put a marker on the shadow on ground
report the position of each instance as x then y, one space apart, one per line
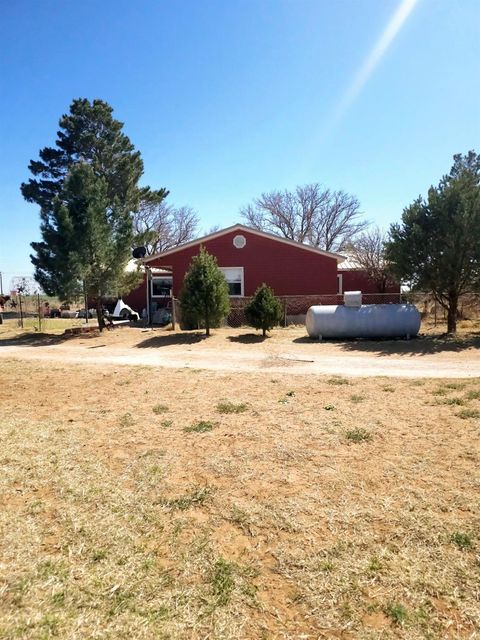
33 340
248 338
170 339
420 346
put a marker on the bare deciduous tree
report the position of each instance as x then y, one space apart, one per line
311 214
160 227
368 251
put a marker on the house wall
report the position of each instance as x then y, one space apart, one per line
287 269
137 299
357 280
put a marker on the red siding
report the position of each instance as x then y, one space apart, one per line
354 280
137 299
289 270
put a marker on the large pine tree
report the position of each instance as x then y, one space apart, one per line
436 247
89 136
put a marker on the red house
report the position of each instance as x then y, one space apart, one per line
248 258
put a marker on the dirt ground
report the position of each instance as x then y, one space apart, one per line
241 350
160 485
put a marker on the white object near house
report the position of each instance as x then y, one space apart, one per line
366 321
352 298
122 310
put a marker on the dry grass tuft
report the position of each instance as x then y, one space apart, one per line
231 407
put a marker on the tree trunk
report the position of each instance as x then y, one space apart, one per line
207 324
101 322
264 333
452 313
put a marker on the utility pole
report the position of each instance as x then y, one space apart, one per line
1 284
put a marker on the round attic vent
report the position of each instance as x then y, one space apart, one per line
239 242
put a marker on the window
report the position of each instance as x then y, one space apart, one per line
234 278
161 287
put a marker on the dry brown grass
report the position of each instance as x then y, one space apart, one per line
118 523
11 328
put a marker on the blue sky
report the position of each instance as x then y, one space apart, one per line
229 98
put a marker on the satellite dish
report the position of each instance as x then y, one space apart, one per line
139 252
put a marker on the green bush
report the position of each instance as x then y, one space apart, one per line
264 310
204 297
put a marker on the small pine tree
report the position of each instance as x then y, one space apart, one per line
264 311
204 296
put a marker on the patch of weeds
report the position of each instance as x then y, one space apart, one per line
355 397
465 414
226 577
231 407
160 408
274 381
462 540
222 579
241 519
200 427
374 566
121 600
290 394
160 613
454 385
388 389
166 423
194 498
126 420
337 380
154 470
327 566
329 407
359 434
50 624
58 599
454 401
98 555
441 391
50 568
396 612
473 395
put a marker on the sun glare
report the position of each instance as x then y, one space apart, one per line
370 63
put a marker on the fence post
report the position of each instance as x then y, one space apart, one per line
39 313
174 315
21 310
285 312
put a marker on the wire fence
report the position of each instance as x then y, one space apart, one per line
32 311
294 307
434 313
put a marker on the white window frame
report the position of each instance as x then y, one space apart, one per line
340 283
152 295
242 281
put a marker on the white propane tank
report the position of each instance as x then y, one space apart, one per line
367 321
